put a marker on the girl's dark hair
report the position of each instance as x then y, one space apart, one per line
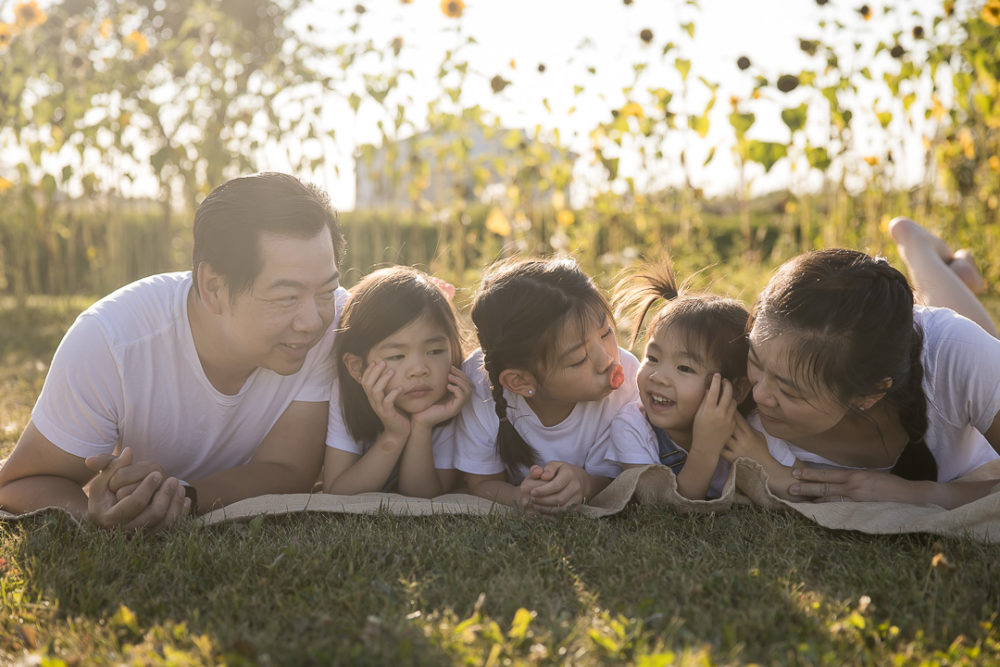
852 315
519 311
381 304
712 326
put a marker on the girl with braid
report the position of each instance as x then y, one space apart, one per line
548 380
868 396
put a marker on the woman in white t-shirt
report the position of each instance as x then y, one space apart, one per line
878 398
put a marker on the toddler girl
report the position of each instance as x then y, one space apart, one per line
691 382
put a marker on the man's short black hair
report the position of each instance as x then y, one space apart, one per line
228 224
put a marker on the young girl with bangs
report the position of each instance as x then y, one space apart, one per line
398 388
868 396
548 380
692 382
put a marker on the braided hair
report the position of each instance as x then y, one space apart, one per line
519 312
852 315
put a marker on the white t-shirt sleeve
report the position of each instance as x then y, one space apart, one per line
778 448
81 401
963 363
337 435
598 463
443 446
632 439
477 425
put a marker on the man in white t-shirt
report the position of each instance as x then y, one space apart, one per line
188 391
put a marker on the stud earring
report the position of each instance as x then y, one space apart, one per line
531 392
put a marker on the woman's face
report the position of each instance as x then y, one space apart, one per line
790 408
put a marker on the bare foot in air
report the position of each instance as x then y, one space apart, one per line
911 238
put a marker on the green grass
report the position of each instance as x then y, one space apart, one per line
648 586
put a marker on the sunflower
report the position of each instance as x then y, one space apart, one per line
29 14
6 32
452 8
137 41
632 109
991 12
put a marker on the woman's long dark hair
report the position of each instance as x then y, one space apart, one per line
381 304
712 326
852 315
519 311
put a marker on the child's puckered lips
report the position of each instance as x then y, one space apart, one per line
617 376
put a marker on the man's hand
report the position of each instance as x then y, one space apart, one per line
153 504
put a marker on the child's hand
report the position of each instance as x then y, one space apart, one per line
562 488
714 423
747 441
530 483
375 379
459 390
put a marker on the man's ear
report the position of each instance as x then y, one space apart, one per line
212 288
355 365
741 389
868 400
519 382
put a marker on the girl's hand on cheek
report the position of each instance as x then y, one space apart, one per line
458 392
714 422
375 380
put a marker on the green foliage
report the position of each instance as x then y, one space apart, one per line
190 92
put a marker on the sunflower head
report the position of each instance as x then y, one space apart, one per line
29 14
991 12
137 42
6 33
452 8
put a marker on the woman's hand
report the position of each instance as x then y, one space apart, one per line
714 422
374 380
749 442
458 392
826 485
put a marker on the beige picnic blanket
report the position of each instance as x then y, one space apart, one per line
656 484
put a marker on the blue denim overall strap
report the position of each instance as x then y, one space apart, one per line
671 454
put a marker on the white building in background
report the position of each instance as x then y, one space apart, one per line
463 161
